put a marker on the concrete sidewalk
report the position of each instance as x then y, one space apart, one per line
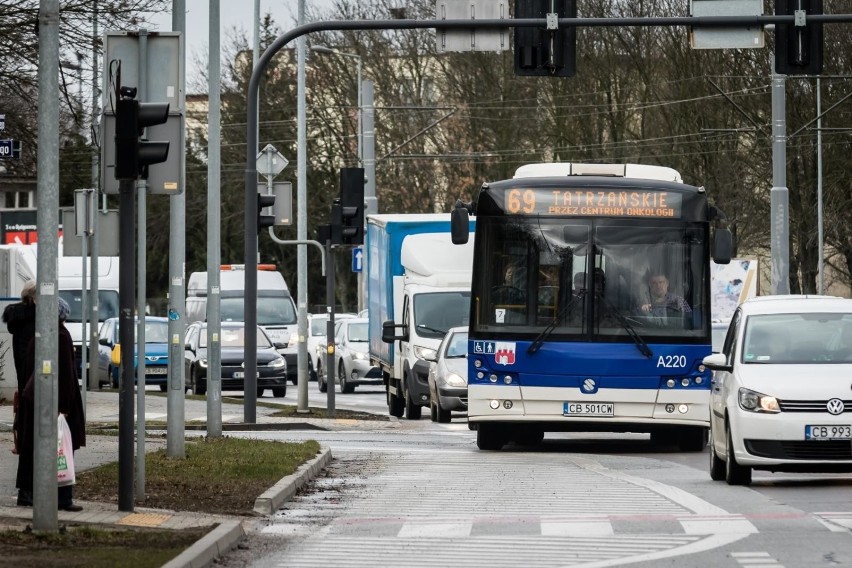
102 408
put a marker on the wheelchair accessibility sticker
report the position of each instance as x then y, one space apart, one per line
503 351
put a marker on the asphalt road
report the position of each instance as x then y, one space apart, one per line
422 494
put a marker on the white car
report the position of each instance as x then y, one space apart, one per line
781 396
316 344
351 357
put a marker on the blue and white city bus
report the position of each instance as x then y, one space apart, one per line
576 335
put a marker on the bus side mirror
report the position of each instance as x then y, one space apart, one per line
722 246
459 225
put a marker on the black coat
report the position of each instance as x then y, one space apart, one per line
20 319
70 403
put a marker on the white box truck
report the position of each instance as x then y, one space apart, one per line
276 311
418 287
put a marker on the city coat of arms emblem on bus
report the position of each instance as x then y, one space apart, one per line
504 353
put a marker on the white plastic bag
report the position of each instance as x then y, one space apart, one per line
64 454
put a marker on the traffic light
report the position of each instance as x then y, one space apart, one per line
352 206
132 154
798 49
263 220
545 52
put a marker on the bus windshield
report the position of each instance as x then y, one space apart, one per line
591 279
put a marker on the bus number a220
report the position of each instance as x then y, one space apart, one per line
671 361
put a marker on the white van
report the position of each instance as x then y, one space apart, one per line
276 311
70 281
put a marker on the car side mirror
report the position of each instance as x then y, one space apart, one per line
279 345
187 347
718 362
104 341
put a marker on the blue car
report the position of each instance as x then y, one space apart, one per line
156 352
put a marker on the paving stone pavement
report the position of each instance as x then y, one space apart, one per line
102 407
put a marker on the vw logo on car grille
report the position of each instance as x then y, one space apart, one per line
590 386
835 406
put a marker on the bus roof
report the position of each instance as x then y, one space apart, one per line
637 171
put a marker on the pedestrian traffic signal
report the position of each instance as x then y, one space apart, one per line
549 52
264 220
133 155
798 46
352 206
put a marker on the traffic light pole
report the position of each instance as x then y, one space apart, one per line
126 282
329 331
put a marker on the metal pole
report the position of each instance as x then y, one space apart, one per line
96 186
256 49
126 281
176 429
45 497
302 224
362 277
779 196
329 330
85 320
214 318
371 205
820 227
141 293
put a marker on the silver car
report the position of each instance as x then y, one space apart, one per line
352 356
448 375
316 344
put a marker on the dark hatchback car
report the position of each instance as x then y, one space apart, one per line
271 366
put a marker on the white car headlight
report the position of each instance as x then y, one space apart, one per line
358 356
424 352
757 402
455 380
202 363
277 363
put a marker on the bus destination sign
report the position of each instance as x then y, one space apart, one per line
645 203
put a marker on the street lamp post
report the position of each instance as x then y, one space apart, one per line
328 50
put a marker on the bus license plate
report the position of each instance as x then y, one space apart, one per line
834 432
239 374
588 409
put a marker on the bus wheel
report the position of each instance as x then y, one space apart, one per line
490 437
529 436
692 439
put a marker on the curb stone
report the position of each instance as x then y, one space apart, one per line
273 497
217 542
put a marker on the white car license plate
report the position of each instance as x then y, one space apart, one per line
156 370
239 374
588 409
833 432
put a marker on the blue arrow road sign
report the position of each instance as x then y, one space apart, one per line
357 259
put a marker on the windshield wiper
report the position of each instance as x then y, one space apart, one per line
545 333
432 329
637 339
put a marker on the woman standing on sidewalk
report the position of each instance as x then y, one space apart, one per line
20 321
70 404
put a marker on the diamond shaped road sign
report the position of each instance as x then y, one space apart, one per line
270 162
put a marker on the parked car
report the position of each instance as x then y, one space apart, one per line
156 352
448 375
317 344
352 357
271 365
780 398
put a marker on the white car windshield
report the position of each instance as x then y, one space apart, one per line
818 338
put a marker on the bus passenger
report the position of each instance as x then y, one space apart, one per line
579 284
660 300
